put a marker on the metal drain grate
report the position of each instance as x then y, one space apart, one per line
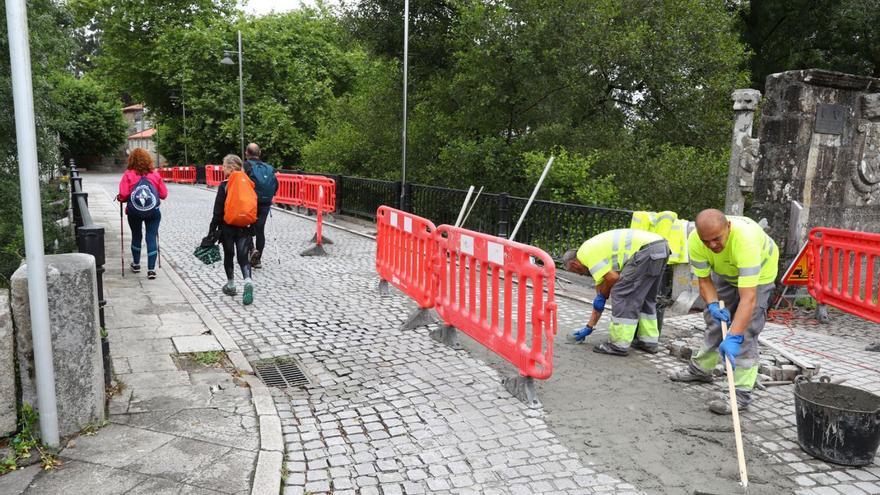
281 373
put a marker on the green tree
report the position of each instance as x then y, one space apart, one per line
90 119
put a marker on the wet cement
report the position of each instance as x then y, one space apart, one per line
625 415
840 396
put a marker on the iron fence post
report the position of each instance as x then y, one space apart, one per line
90 240
77 211
338 179
503 215
407 205
398 195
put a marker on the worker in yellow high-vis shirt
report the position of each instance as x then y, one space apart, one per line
627 265
736 262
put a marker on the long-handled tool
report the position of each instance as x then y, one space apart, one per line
467 199
473 203
121 240
532 197
734 412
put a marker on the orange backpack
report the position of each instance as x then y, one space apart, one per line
240 209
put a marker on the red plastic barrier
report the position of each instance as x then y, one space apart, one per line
187 175
213 175
166 173
471 296
844 270
405 249
175 174
289 186
311 185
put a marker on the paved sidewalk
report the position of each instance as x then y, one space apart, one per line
176 426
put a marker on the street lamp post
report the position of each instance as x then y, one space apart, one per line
228 61
405 71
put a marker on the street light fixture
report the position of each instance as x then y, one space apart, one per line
227 60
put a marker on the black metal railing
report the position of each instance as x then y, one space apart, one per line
90 240
362 197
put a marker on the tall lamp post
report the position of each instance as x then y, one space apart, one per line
185 140
227 60
405 71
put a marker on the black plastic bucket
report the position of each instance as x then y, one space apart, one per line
836 423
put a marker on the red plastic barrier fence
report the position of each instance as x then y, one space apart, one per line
311 185
175 174
844 270
187 175
166 173
289 187
213 175
405 250
517 323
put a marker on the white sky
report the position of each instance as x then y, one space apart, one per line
261 7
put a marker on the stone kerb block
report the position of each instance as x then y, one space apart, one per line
76 339
8 416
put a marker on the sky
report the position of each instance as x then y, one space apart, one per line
261 7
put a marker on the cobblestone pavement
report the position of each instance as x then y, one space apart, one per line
394 412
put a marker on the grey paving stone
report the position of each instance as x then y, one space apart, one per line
80 477
117 445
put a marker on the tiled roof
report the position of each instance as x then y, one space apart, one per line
143 134
132 108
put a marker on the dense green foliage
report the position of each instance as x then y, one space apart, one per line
89 120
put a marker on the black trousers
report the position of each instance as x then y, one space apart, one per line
260 226
238 247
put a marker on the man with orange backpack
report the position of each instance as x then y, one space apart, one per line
235 212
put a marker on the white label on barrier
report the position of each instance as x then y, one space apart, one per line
393 219
407 224
496 253
467 245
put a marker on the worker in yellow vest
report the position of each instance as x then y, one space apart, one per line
627 265
736 262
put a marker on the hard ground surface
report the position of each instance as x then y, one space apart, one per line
393 412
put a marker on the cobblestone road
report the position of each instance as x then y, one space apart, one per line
394 412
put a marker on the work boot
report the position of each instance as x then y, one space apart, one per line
650 348
255 259
609 348
722 406
229 290
686 375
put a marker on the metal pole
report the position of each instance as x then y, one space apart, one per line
25 132
464 205
405 72
240 94
532 198
183 102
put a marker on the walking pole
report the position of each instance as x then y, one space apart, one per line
734 412
158 250
532 198
121 241
274 238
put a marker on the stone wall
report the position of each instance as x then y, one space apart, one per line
76 339
820 146
8 401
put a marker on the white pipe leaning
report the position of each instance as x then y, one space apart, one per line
26 139
467 199
532 198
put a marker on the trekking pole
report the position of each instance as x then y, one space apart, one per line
121 241
734 412
274 237
158 250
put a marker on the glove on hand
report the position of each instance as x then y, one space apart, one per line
581 334
599 302
729 348
720 314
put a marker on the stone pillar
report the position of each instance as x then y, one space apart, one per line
743 150
76 339
8 414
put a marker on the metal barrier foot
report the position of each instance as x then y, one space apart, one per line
419 318
446 335
324 239
383 287
822 314
316 250
523 388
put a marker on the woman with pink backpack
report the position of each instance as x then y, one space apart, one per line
143 189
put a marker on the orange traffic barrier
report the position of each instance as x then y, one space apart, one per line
405 251
312 186
167 173
289 186
842 270
213 175
186 175
517 324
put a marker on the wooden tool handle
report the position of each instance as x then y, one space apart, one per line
734 412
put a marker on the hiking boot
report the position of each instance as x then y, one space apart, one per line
135 268
248 297
608 348
151 274
686 375
722 406
651 348
229 291
255 259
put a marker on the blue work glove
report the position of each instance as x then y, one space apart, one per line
729 348
599 302
581 334
720 314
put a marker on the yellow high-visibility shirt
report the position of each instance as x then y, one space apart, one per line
749 258
612 249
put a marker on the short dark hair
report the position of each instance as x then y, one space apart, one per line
252 151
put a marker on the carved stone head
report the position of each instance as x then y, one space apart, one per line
746 99
871 106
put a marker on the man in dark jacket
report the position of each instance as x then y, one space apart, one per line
266 185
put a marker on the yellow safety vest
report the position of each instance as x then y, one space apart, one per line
668 226
749 258
612 249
